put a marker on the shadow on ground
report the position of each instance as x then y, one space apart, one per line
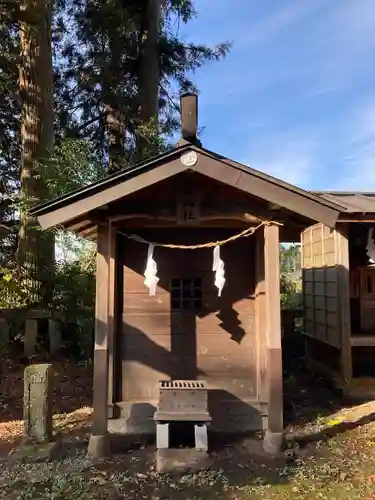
72 388
330 455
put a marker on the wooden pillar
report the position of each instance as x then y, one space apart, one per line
274 373
260 317
342 248
99 442
112 301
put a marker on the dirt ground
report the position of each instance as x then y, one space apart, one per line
330 452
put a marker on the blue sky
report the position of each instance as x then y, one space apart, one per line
296 96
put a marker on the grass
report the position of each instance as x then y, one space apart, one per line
331 455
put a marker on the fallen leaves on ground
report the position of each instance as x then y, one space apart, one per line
331 455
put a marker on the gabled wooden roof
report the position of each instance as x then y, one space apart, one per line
353 202
65 209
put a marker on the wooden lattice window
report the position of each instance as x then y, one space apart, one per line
368 282
186 293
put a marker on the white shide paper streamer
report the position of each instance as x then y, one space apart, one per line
151 280
371 245
218 267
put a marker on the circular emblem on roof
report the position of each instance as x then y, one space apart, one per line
189 159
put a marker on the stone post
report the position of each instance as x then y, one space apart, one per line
37 406
54 334
4 335
31 336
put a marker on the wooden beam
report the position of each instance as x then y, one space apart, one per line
364 219
363 341
99 442
88 232
110 194
222 170
79 225
230 214
266 190
274 373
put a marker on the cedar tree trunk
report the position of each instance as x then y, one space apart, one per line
36 248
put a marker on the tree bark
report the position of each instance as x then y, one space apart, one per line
149 75
115 119
35 248
116 138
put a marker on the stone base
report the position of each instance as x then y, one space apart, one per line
98 446
182 460
131 426
273 442
38 452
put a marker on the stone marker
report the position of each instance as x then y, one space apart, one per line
37 405
54 334
4 334
31 336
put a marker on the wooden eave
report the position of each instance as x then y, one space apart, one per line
358 206
86 207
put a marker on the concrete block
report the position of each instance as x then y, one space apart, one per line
98 446
201 441
182 460
273 442
39 452
162 436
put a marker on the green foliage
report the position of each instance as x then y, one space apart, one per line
71 167
97 48
99 68
290 259
290 293
74 296
11 293
290 282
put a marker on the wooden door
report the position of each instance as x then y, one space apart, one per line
367 292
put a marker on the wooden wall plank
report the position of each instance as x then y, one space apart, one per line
219 345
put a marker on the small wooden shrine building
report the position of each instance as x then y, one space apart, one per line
177 212
339 294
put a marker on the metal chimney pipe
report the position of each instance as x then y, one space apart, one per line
189 117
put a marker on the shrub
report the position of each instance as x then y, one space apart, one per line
74 297
290 293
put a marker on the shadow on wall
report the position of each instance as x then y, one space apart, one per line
157 342
147 363
173 263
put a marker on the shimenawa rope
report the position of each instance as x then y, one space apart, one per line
243 234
